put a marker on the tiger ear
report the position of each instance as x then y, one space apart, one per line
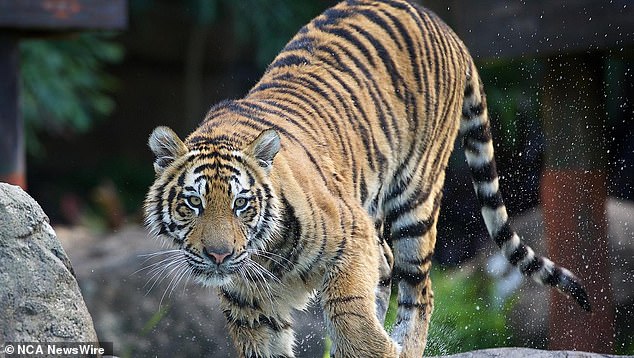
264 148
166 147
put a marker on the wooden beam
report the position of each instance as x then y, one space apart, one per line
12 159
63 15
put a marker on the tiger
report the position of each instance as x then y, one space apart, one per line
324 183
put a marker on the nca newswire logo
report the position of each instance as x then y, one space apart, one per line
56 349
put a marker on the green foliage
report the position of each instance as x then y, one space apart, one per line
465 316
64 84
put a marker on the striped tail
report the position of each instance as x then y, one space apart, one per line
478 147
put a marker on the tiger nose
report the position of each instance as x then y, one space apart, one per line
217 254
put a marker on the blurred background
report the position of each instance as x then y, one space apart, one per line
89 99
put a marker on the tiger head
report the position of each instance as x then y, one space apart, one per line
216 202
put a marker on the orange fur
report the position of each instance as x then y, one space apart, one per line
334 159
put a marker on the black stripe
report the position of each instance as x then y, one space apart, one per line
339 314
407 7
380 103
392 69
361 127
408 206
275 324
288 60
363 188
419 261
504 235
480 133
371 86
485 173
413 200
261 109
238 301
413 230
555 277
385 56
270 84
216 166
330 17
490 201
412 278
331 122
473 111
468 90
347 35
344 299
307 268
411 305
518 254
220 141
291 235
300 43
272 323
340 251
577 292
535 265
293 87
223 156
375 18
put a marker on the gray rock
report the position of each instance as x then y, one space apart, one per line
40 300
525 353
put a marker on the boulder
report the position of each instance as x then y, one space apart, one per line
40 300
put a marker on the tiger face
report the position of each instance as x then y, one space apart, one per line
215 202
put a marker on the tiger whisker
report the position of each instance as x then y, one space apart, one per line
172 255
268 273
164 264
250 268
266 255
180 266
160 274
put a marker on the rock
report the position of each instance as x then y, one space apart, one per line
40 300
525 353
143 319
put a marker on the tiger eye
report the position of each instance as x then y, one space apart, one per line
194 201
240 203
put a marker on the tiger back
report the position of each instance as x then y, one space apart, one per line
327 176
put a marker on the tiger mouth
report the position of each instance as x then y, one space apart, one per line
209 273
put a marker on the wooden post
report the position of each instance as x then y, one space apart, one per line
37 18
12 168
573 192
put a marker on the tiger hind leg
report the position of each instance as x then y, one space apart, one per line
413 244
384 288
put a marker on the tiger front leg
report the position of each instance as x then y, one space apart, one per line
348 299
254 332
